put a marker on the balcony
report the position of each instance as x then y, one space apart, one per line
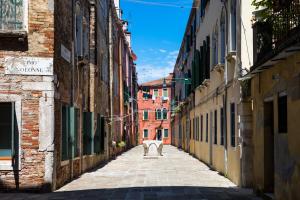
276 37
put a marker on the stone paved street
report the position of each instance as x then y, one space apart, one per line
176 175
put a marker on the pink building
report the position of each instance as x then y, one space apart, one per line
154 103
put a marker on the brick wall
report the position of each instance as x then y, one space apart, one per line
152 124
38 42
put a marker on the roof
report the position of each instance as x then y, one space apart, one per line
159 82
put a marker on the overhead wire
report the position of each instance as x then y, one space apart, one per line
164 4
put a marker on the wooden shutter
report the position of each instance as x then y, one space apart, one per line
64 132
102 134
88 119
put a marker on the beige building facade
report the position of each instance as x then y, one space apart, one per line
275 92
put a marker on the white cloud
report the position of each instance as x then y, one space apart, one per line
158 67
151 72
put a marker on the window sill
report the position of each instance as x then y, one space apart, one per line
206 82
6 165
13 34
219 68
231 56
64 163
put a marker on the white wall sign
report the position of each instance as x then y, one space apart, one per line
28 66
65 53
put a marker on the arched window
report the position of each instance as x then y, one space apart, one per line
233 18
222 33
215 45
158 114
165 114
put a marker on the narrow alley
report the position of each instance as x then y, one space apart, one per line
175 175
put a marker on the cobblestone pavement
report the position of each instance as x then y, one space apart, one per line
175 175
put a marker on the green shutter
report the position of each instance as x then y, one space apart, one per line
193 75
87 131
64 128
201 67
73 133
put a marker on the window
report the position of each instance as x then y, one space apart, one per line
197 128
282 114
222 125
233 19
216 127
165 114
79 30
88 133
206 138
165 93
145 133
146 93
74 127
222 30
215 44
232 124
166 133
70 137
158 114
201 130
7 125
85 39
99 135
65 154
194 129
155 93
12 15
145 115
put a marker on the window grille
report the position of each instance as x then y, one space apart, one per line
11 14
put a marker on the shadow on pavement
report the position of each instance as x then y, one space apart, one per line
141 193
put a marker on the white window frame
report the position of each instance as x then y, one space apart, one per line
154 90
162 114
6 165
144 115
164 133
144 133
165 97
25 18
156 112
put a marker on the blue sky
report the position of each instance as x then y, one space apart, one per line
157 28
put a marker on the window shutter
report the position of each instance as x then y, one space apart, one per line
208 57
97 140
102 133
193 76
73 129
202 67
88 127
64 128
13 130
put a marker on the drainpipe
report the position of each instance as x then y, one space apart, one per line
111 74
225 95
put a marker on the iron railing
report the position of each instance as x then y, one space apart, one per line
277 32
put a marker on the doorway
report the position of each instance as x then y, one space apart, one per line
159 135
269 147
